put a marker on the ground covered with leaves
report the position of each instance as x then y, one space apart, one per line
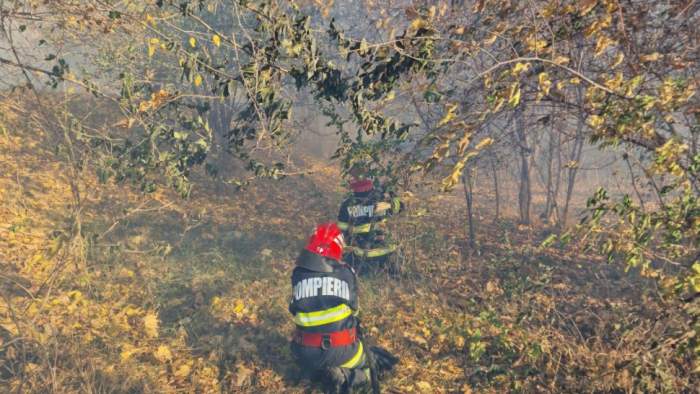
171 295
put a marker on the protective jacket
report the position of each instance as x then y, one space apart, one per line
324 305
363 217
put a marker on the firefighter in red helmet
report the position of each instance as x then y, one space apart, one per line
327 340
363 218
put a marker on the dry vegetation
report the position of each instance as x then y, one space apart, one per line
190 295
161 164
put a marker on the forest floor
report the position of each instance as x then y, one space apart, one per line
173 295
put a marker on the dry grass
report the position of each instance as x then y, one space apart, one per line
190 295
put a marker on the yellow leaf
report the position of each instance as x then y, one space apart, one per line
464 142
193 42
432 11
216 40
451 109
484 143
492 38
242 375
535 45
614 83
544 83
151 50
571 164
150 20
182 371
493 288
126 273
514 97
364 46
602 44
595 121
520 68
197 80
424 387
496 33
163 354
652 57
499 104
150 323
618 59
128 351
599 24
585 6
238 307
417 24
561 60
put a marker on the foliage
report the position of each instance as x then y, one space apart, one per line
210 79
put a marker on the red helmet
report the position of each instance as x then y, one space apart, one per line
361 185
326 241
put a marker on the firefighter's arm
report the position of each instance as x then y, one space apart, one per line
343 218
352 282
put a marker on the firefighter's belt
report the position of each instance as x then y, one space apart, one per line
327 340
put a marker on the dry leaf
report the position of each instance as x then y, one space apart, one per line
150 323
163 354
182 371
242 375
652 57
424 387
585 6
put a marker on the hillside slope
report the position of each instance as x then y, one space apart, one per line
171 295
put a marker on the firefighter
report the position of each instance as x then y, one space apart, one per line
327 342
363 217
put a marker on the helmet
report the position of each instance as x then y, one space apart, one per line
361 180
325 243
361 185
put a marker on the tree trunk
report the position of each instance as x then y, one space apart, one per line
467 181
525 192
574 160
549 202
495 188
557 182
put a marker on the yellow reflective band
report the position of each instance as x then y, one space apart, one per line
374 252
361 229
343 226
381 251
395 204
319 318
355 360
